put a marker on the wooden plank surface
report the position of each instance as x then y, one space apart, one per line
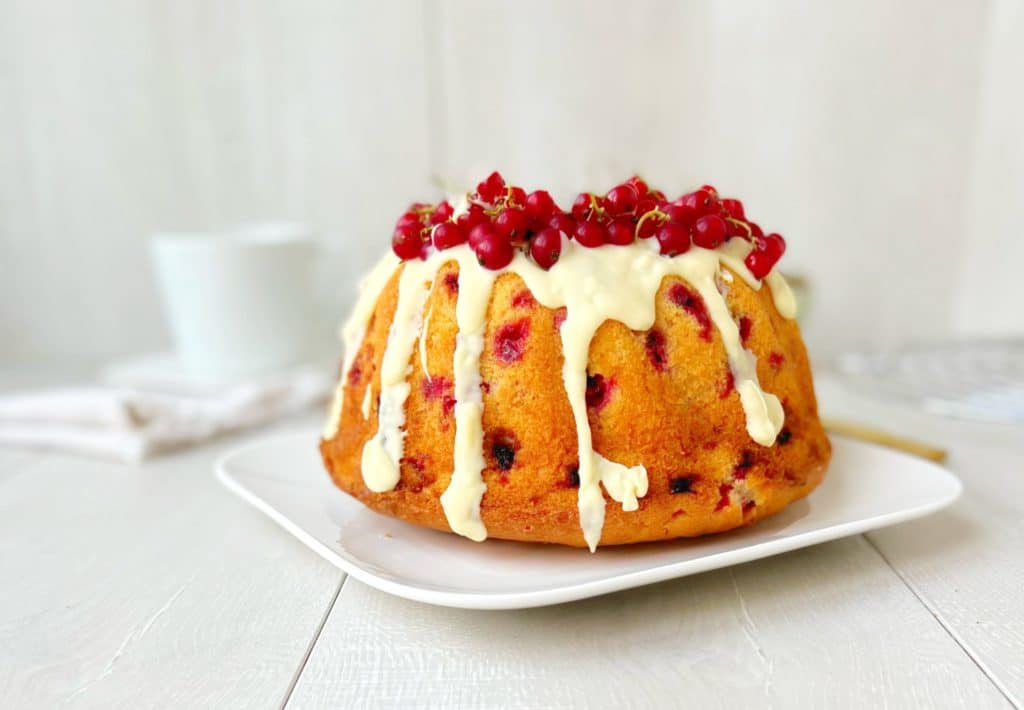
829 626
148 586
965 563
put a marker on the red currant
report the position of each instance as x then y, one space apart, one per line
648 224
734 228
441 213
673 239
448 235
621 200
516 196
511 223
585 204
491 188
639 184
406 241
472 217
590 234
621 232
709 231
480 232
676 213
539 205
546 247
772 245
733 207
759 263
563 223
408 218
697 203
755 229
645 205
492 251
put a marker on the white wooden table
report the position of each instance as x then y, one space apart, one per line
152 586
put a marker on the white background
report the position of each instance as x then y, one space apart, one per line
884 140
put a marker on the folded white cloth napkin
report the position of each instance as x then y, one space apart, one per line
131 424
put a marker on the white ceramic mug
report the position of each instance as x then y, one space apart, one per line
239 302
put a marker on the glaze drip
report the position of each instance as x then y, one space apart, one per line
354 330
383 452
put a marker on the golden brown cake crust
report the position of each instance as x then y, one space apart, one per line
668 404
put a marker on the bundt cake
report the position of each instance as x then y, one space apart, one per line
613 374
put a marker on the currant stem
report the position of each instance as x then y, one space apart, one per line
654 214
741 223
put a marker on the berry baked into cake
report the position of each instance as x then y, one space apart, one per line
626 371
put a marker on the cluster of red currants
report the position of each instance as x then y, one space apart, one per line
503 218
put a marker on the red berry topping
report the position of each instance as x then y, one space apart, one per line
471 218
441 213
484 230
697 203
733 207
448 235
590 234
491 188
511 222
649 222
546 247
709 231
586 205
677 213
501 219
673 238
516 196
759 263
492 251
621 200
408 218
645 205
621 232
563 223
638 183
406 241
772 245
539 205
736 228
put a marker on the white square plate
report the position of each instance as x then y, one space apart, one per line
867 487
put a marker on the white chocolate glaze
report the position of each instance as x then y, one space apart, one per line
423 344
594 285
624 483
367 398
383 452
354 329
782 294
461 500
